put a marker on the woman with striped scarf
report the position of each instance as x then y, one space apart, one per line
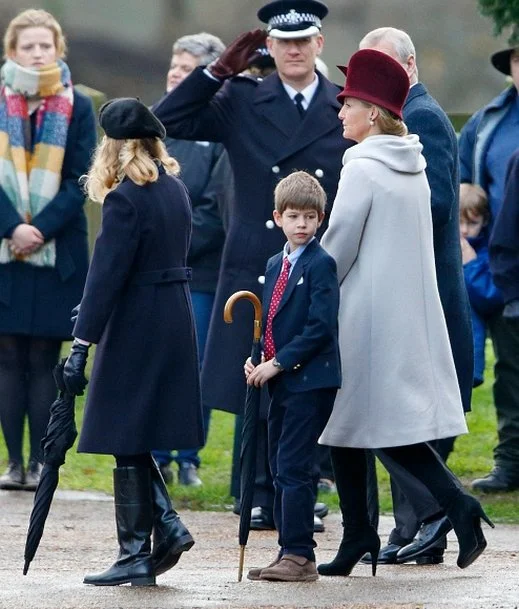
47 133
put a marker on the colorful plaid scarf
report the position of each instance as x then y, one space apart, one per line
32 179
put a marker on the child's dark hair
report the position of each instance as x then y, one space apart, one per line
474 202
299 190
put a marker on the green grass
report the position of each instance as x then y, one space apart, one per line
472 458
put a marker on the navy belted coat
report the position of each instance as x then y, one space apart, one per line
266 140
144 389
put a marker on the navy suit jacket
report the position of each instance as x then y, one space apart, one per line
425 117
305 326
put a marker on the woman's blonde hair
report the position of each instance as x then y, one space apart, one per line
388 123
34 17
117 159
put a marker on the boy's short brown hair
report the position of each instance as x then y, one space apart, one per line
299 190
473 201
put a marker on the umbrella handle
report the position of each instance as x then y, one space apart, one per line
227 311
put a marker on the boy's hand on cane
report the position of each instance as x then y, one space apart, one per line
262 373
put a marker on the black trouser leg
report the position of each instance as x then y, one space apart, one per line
43 355
424 464
505 339
13 393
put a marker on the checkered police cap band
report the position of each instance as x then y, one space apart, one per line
293 18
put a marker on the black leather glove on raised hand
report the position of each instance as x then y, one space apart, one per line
237 55
74 369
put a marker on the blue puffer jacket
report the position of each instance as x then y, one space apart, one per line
485 300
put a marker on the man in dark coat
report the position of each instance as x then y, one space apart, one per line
424 116
268 133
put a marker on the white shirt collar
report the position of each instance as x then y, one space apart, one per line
308 92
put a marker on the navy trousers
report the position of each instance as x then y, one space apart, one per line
295 422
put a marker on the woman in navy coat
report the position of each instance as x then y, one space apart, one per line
43 234
144 389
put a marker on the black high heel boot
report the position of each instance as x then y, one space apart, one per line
170 536
134 519
355 543
465 514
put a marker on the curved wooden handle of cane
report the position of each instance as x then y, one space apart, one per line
227 311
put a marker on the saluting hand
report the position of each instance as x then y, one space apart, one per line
237 55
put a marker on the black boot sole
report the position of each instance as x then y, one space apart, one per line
138 581
183 544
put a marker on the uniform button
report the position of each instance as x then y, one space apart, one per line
261 279
269 224
275 169
319 173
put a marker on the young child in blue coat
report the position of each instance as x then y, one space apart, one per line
302 368
485 298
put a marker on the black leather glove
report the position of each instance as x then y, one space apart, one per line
237 55
75 313
74 369
511 310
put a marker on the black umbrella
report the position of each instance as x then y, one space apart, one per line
250 426
60 436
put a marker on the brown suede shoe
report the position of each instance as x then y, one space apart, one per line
254 574
291 568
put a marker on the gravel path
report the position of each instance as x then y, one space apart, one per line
80 537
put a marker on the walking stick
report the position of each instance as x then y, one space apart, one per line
250 424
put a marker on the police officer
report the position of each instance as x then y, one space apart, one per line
270 127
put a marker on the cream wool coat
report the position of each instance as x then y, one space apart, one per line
399 382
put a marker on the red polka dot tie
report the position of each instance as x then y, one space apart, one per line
268 343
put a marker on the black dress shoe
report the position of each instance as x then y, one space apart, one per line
498 481
318 524
386 555
430 536
320 510
261 519
434 556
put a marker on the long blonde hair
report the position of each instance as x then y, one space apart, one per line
117 159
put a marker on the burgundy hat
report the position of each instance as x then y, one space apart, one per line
375 77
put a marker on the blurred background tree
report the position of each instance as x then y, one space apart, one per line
505 13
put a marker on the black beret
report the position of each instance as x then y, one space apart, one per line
127 118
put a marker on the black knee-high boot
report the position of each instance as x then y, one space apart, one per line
134 520
359 536
170 536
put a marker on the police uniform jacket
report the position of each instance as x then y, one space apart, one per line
144 389
266 140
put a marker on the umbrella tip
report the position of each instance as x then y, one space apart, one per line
26 567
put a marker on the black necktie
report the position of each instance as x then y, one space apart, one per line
298 98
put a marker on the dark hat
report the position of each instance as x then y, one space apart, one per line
127 118
501 60
375 77
293 18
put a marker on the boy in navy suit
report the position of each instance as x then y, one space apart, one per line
301 365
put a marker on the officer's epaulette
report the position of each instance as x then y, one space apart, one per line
252 78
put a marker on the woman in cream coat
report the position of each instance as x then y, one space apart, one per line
399 388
